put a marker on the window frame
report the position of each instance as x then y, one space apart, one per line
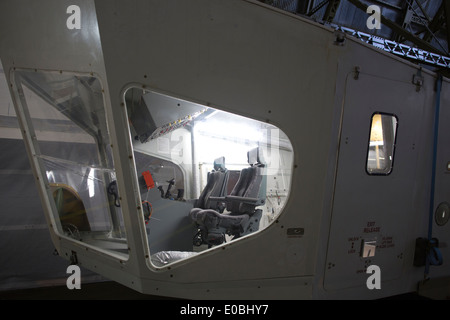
214 248
32 142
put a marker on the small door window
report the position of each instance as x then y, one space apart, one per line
380 156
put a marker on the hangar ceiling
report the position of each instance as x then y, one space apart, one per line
416 29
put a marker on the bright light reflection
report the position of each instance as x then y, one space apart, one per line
229 130
90 183
215 139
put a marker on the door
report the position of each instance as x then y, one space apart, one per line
379 159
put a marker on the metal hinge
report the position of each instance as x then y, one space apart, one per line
340 38
418 80
356 72
73 258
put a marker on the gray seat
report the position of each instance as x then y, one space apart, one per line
242 217
216 187
250 190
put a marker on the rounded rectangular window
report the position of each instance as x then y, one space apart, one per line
207 177
380 155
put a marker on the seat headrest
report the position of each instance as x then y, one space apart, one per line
255 157
219 164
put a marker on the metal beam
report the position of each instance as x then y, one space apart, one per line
317 8
304 7
420 43
402 50
407 16
331 10
436 23
425 14
447 20
387 4
431 32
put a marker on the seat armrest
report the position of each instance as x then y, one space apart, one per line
253 201
217 198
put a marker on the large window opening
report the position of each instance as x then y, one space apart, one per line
207 177
66 118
